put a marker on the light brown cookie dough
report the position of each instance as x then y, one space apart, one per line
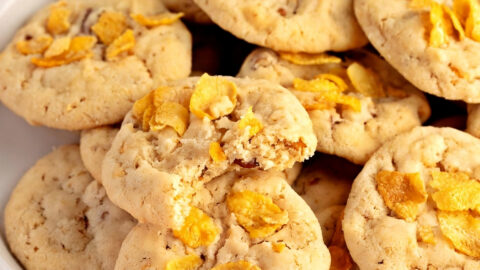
473 120
296 243
296 26
81 64
159 157
59 217
190 9
355 135
401 33
94 145
292 174
415 204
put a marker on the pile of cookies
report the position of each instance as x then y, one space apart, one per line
312 156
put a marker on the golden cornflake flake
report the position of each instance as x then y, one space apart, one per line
365 81
463 231
278 247
250 122
441 26
58 47
310 59
213 97
256 213
425 234
110 26
189 262
402 192
156 20
123 43
239 265
197 230
58 20
216 152
34 46
80 48
456 191
472 23
170 114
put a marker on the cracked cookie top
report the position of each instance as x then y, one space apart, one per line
81 64
59 217
248 220
289 25
192 130
416 203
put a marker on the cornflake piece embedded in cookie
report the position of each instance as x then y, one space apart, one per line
360 95
78 65
433 44
94 145
290 235
389 222
59 217
324 184
221 124
294 26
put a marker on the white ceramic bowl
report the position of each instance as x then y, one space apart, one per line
21 145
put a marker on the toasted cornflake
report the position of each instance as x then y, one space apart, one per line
110 26
58 20
328 92
310 59
189 262
213 97
278 247
80 48
250 122
425 234
34 46
463 231
123 43
456 191
170 114
365 81
256 213
472 23
441 26
197 230
140 108
156 20
58 47
416 4
216 152
340 258
457 25
402 192
238 265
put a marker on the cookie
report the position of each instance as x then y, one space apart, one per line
292 174
94 145
355 103
308 26
58 217
190 9
415 204
257 222
82 64
473 123
164 150
429 57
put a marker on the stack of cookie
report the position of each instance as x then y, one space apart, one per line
205 172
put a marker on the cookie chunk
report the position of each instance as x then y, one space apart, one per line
192 12
164 150
255 220
431 43
59 217
416 203
94 145
473 120
294 26
82 64
355 103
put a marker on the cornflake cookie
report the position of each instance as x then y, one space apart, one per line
82 64
187 132
473 120
434 44
356 103
416 203
324 184
59 217
296 26
94 145
190 9
250 220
